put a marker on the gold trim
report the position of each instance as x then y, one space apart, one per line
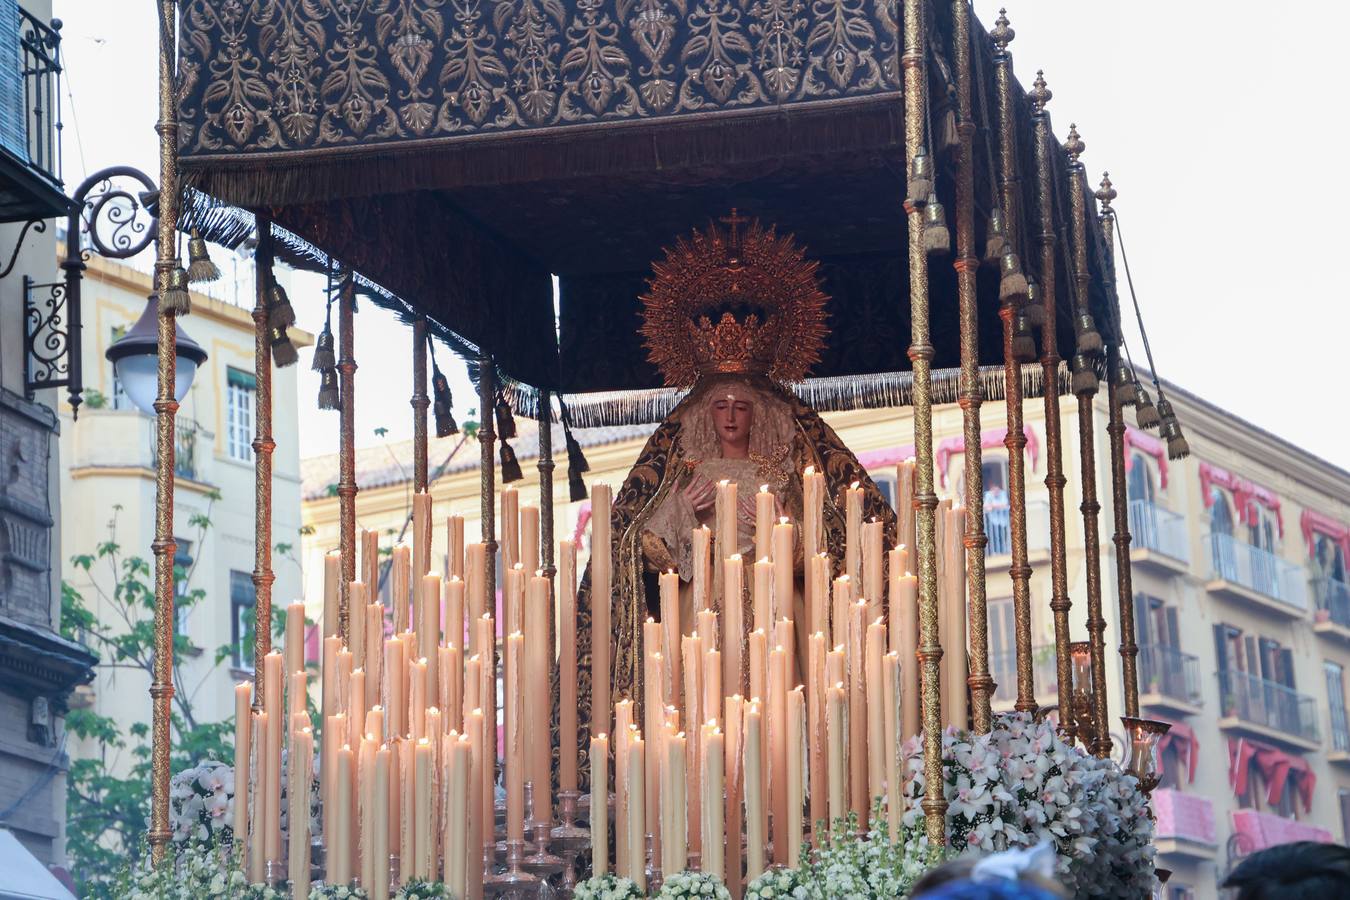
346 489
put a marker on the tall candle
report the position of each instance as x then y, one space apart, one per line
784 538
395 703
357 600
421 507
857 714
567 662
765 509
624 729
356 718
813 508
653 716
635 842
400 580
759 664
298 791
853 505
340 851
295 637
417 702
365 786
726 513
841 600
674 807
834 718
601 597
429 634
706 628
815 685
510 527
328 704
876 711
692 651
455 869
538 705
475 728
242 698
379 792
702 555
515 750
670 635
451 691
475 589
733 772
374 654
818 594
422 800
904 503
276 727
712 820
487 699
873 585
369 572
776 795
257 844
332 581
955 647
754 794
891 699
529 537
342 678
712 685
761 595
454 545
333 727
454 612
599 804
733 627
796 791
907 645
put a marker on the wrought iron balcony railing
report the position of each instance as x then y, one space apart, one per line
1261 571
997 528
184 451
1003 666
1333 598
30 91
1160 530
1268 704
1171 673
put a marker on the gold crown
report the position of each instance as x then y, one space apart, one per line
724 300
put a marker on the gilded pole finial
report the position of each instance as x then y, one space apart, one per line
1003 33
1040 93
1074 145
1106 193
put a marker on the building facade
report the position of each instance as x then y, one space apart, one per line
1242 610
108 486
38 668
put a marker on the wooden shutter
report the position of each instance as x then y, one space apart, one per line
1171 637
1221 647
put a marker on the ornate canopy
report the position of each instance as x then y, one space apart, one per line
459 153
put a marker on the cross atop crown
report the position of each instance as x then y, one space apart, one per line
733 223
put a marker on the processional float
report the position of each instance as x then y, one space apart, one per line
445 163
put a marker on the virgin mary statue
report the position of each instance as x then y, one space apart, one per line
734 316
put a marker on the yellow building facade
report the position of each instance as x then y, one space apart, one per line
1239 577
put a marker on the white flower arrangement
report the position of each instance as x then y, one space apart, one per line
417 889
607 887
195 871
690 885
200 800
338 892
1021 784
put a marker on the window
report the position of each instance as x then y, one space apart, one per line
241 388
119 399
1329 559
1340 727
1140 481
885 484
1172 767
1343 800
1003 646
182 564
242 602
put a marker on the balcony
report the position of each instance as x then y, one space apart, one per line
123 443
1240 571
1184 824
998 530
30 120
1332 616
1170 680
1159 537
1003 667
1255 831
1263 709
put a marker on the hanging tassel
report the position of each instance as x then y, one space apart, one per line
1084 379
1035 311
995 238
510 465
576 465
442 403
176 299
506 422
324 355
283 351
1145 413
1170 430
200 267
1023 341
328 389
920 179
936 238
1012 285
1122 384
281 314
1089 340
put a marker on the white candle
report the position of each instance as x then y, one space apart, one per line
702 554
380 793
733 771
637 818
332 580
242 721
784 537
873 585
295 637
834 714
454 545
853 504
510 527
776 796
454 612
298 791
818 594
857 714
754 794
670 635
599 805
813 506
515 750
796 724
891 699
904 504
876 711
816 724
357 601
455 869
529 537
539 696
712 821
733 627
475 589
907 645
340 851
674 807
567 663
761 598
765 509
374 656
400 580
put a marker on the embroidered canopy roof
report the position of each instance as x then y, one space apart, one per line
460 153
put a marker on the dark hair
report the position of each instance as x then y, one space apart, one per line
952 879
1303 870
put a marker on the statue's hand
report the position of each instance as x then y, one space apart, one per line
656 554
701 493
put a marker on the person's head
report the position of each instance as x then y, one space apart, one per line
1016 873
1299 871
968 889
733 416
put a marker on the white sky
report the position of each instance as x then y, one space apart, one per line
1217 124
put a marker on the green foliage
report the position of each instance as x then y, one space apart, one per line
108 794
95 399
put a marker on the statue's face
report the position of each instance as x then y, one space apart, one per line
733 417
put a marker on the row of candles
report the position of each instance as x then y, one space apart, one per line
718 756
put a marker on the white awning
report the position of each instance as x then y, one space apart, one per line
22 877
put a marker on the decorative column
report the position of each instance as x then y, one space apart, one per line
967 264
166 408
1099 742
1016 441
1119 389
921 358
420 401
487 392
546 561
263 445
346 489
1054 452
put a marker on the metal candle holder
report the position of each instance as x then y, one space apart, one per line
569 840
541 863
515 881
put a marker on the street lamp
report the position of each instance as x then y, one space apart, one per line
136 362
